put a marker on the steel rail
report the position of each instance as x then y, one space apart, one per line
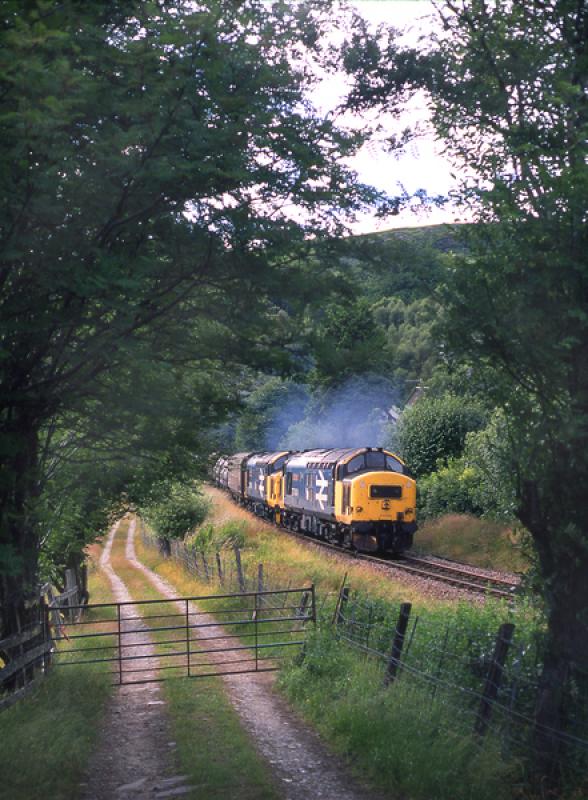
452 575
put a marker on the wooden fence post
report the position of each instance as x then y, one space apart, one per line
205 565
260 584
219 567
397 644
240 575
55 613
47 638
494 677
336 614
301 612
342 605
70 592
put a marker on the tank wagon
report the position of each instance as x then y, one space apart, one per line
360 498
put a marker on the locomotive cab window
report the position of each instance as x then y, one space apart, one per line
288 483
375 460
356 464
385 492
279 463
394 464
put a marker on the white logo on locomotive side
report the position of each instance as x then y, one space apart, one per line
322 485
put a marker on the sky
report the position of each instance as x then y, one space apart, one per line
422 165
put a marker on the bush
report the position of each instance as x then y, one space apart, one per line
434 430
179 513
212 538
454 488
489 452
478 482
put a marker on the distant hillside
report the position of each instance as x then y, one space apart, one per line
444 238
404 262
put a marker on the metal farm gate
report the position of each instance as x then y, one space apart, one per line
150 640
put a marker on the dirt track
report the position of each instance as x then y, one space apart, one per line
136 758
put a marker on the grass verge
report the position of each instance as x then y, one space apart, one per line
479 542
288 560
404 740
47 738
417 745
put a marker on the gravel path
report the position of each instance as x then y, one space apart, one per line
135 756
303 766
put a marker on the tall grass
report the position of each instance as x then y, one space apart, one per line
46 739
480 542
404 740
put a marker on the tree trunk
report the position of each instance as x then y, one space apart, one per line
77 563
562 700
19 538
563 685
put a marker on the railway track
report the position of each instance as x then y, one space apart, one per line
465 577
460 576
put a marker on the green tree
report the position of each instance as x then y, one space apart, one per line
412 347
150 154
147 422
434 430
346 341
175 512
451 489
270 410
403 263
489 453
509 82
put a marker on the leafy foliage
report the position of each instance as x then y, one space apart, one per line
452 488
508 86
347 342
214 538
488 452
412 350
434 430
405 264
149 179
176 515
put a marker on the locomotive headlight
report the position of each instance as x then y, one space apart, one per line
359 508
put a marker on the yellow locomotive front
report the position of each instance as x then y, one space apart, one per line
375 501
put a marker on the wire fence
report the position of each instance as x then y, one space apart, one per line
490 680
487 680
226 569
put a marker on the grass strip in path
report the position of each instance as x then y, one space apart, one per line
213 749
46 739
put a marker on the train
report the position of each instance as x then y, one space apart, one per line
362 499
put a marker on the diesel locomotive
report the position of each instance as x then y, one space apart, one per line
361 498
